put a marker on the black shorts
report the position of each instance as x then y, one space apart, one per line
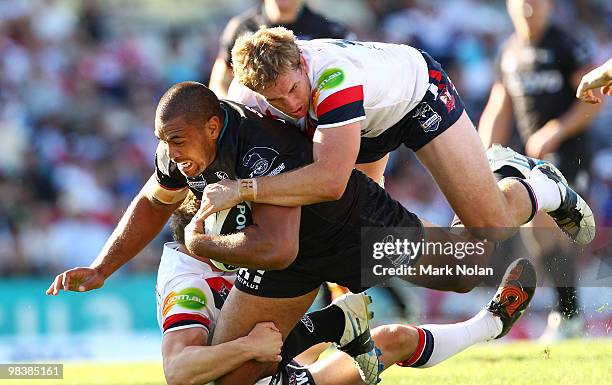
439 109
343 266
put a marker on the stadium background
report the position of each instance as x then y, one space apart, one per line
79 82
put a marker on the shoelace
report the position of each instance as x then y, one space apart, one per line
496 305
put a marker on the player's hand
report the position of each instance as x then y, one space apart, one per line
219 196
266 341
597 78
544 141
77 279
193 229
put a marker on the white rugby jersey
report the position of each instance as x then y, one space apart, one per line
189 292
376 83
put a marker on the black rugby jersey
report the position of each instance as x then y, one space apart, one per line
251 145
308 25
538 78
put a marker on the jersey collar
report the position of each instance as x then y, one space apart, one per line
225 121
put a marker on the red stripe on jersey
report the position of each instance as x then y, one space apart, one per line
435 75
217 283
340 98
186 317
419 350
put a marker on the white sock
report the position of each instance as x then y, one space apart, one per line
546 191
448 340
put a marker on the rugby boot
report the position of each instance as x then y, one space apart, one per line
356 340
574 216
514 294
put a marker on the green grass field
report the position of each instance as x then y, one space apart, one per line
579 362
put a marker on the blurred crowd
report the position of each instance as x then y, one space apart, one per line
79 85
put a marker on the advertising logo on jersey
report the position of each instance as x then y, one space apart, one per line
448 99
221 175
427 117
260 160
198 183
330 78
190 298
307 323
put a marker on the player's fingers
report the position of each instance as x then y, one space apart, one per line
51 290
205 213
58 283
589 97
68 277
269 325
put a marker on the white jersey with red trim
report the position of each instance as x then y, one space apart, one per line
189 292
375 83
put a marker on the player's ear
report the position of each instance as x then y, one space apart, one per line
213 127
303 64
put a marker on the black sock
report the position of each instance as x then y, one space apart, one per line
532 198
293 373
325 325
562 270
568 304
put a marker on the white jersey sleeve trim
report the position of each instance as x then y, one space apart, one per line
344 123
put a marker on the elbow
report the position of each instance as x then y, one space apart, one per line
334 187
282 256
174 377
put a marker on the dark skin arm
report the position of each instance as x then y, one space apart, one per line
270 243
141 222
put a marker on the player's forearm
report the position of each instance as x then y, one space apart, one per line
314 183
577 119
494 125
252 247
140 223
494 128
203 364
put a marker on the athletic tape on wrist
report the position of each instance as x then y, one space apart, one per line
248 189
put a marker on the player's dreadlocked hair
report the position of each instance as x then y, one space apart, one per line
191 100
182 216
258 59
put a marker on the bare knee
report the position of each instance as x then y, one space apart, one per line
398 341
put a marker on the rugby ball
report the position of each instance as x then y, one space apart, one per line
228 221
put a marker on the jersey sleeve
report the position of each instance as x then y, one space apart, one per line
166 172
338 95
185 302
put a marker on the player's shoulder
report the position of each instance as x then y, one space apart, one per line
247 21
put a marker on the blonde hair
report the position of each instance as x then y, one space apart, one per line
260 58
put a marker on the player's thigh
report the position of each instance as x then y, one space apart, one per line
239 315
457 161
375 170
242 311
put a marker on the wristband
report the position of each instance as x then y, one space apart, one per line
248 189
